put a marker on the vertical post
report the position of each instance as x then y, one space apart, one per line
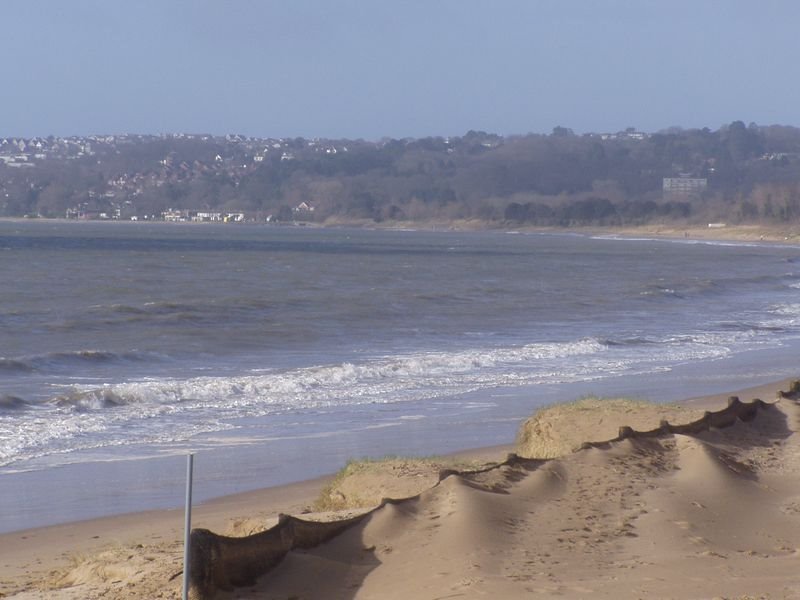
187 526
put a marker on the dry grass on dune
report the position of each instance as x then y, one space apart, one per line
551 432
365 483
560 429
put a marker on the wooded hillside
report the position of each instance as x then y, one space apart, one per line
752 174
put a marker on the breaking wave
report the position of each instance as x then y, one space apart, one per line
168 410
55 361
12 403
11 366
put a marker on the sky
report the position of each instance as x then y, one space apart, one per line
394 68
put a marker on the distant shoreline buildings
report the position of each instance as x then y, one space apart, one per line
684 186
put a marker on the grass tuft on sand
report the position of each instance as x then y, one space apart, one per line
560 429
364 483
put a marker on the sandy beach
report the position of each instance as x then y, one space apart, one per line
707 515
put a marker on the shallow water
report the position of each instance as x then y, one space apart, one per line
124 345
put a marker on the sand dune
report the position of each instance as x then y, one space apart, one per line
664 515
707 508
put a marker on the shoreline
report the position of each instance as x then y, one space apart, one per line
42 550
90 489
30 553
750 233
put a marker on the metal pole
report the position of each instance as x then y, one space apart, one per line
187 527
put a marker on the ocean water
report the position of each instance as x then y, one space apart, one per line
276 354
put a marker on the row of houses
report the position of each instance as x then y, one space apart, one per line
108 208
684 186
195 216
102 210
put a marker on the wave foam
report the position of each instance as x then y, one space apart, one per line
160 411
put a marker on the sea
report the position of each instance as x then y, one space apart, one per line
275 354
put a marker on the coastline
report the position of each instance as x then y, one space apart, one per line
156 533
151 476
31 556
750 233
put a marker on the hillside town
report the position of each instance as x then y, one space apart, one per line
736 173
230 157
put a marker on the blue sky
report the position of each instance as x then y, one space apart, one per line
371 68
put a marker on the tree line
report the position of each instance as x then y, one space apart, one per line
560 179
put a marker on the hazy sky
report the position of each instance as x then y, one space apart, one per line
374 68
